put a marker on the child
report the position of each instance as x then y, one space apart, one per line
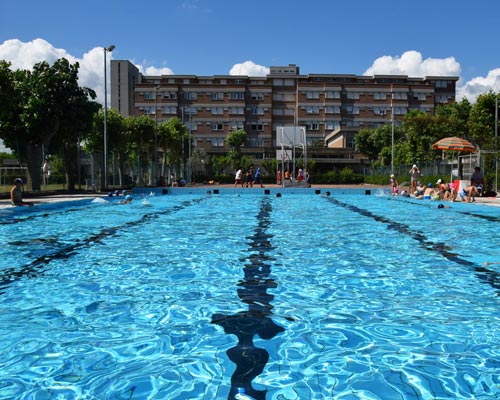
394 185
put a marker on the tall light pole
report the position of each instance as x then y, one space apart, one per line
190 162
392 130
155 158
392 139
104 179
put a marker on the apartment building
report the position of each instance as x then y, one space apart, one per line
331 107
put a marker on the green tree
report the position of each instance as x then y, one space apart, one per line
172 139
117 139
482 121
235 139
141 130
42 105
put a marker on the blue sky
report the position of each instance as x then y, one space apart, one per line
220 37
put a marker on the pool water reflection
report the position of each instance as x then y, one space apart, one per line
227 296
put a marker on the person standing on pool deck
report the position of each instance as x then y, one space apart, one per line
237 178
256 178
414 176
477 180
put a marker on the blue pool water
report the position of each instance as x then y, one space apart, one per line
254 296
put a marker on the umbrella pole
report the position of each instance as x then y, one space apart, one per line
451 169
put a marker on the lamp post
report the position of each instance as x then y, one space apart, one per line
155 158
392 130
104 179
190 162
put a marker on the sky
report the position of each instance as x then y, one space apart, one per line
235 37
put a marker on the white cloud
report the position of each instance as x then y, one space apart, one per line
24 55
153 71
479 85
249 68
412 64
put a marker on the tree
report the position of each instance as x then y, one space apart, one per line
482 121
141 133
235 139
42 106
172 136
117 138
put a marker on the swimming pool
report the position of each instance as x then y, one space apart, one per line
251 296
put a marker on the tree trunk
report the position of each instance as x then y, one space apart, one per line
70 165
34 160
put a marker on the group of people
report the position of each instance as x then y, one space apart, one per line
249 179
302 176
443 190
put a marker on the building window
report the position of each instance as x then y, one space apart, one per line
312 125
379 96
312 110
190 110
191 126
312 95
169 110
257 111
236 125
237 110
255 142
420 96
441 99
257 96
379 110
217 96
149 95
332 125
217 110
332 110
352 95
148 110
237 96
217 142
257 126
332 94
400 110
217 126
170 95
352 110
400 96
190 96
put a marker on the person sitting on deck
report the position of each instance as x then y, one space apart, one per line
469 194
16 194
477 180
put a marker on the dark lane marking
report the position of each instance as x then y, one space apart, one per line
249 359
38 213
425 203
483 273
35 268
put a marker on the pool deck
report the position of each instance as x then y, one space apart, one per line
53 198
